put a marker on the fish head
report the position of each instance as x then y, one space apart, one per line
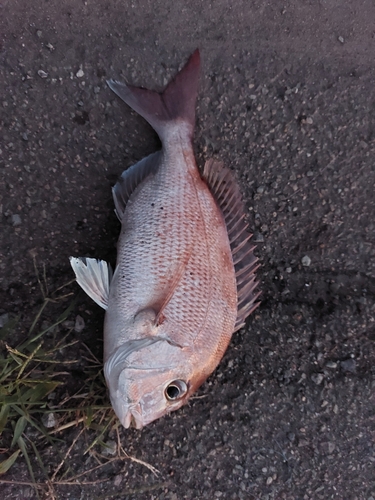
148 378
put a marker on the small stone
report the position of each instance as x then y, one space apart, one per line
79 324
288 270
49 420
258 238
260 189
39 33
291 436
331 447
118 480
341 39
4 318
24 136
269 480
306 261
331 364
42 74
348 365
16 220
317 378
80 73
110 448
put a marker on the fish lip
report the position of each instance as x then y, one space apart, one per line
132 419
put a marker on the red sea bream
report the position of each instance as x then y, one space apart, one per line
185 274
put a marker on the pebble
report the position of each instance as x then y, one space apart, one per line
331 447
306 261
258 238
118 480
42 74
110 448
291 436
49 420
16 220
79 324
348 365
317 378
80 73
331 364
4 318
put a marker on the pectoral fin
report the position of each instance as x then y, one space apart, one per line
94 277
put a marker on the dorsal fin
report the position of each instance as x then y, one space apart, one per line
227 194
131 178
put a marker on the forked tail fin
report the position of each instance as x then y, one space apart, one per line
175 103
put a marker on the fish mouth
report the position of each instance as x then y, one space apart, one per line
132 419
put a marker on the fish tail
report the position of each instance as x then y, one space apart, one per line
175 104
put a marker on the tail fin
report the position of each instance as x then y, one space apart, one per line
176 103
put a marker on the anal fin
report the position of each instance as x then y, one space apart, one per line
94 277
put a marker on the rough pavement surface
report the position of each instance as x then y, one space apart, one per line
286 100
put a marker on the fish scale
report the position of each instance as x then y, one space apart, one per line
143 223
170 240
185 273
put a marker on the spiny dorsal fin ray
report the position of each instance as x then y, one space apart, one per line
225 190
94 277
130 180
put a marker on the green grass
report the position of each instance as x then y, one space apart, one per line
30 374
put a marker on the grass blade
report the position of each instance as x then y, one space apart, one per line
5 465
4 413
22 445
18 430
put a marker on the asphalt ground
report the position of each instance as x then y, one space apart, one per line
287 101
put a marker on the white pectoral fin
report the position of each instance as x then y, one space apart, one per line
94 277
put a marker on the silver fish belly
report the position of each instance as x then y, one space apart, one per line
185 274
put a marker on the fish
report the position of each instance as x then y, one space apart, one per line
185 276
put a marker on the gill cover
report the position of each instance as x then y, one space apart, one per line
146 380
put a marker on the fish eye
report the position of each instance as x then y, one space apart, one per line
175 390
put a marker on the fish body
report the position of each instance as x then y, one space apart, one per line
184 279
